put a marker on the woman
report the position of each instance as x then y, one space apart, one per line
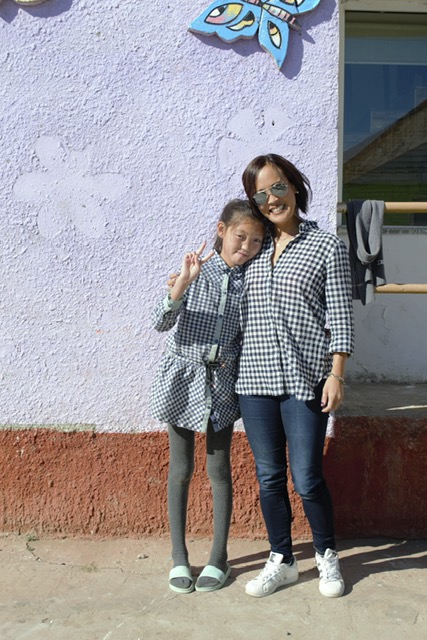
297 321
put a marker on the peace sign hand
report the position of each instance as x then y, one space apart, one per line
192 264
191 267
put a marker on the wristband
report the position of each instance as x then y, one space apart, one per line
339 378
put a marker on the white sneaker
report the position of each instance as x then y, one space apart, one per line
331 583
275 574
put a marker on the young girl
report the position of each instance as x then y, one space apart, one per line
194 386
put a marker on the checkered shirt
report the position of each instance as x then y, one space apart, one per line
179 395
295 315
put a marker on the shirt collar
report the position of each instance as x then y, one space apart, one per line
308 225
219 265
305 226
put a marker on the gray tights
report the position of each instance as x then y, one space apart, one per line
181 468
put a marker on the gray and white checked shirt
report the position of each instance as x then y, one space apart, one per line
295 315
186 392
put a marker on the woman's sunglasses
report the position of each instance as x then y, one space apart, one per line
279 190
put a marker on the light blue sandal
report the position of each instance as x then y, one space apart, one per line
181 580
212 578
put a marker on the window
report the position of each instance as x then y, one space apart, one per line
385 110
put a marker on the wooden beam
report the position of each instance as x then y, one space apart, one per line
394 207
401 288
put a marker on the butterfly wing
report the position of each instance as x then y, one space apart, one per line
276 18
274 36
229 20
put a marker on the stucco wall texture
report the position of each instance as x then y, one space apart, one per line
123 135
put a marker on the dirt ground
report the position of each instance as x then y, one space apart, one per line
76 589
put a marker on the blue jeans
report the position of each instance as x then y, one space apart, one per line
271 423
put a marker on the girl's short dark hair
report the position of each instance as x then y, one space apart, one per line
235 211
289 170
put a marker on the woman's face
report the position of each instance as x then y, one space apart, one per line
280 210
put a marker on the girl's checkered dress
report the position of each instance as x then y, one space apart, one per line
185 381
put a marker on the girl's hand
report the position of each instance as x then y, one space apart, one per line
333 395
192 264
190 269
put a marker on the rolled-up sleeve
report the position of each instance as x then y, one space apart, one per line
166 312
339 303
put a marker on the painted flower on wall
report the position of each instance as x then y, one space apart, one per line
66 193
271 20
250 134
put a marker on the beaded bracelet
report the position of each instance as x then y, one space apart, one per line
341 380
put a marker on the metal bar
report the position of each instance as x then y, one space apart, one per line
393 207
401 288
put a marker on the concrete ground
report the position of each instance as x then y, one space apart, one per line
378 399
76 589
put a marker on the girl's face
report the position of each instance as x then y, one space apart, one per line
280 210
240 241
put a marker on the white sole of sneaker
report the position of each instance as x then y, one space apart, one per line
269 593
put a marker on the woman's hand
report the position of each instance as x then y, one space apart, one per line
172 279
333 390
333 395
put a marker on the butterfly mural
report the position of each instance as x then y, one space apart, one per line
272 20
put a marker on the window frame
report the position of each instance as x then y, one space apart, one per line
386 6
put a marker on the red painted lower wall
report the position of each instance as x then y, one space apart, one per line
84 483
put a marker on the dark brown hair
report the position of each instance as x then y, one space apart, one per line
291 173
235 211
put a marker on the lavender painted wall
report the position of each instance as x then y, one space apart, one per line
122 137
